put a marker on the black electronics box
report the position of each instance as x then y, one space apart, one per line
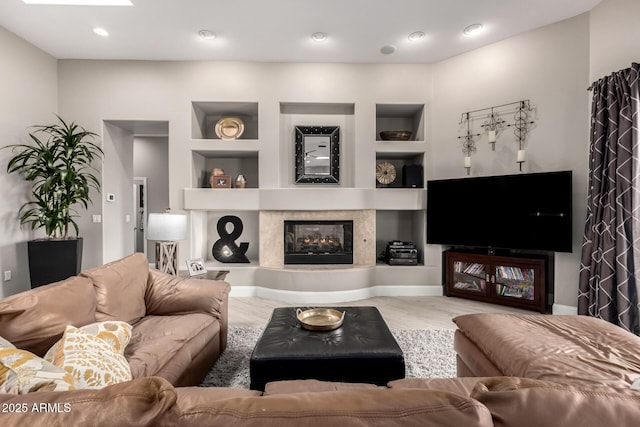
400 253
412 176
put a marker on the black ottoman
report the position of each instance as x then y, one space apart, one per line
362 350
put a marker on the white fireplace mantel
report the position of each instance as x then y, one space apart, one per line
304 199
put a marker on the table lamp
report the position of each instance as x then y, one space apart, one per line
166 228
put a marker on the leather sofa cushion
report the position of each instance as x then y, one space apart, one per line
306 386
137 403
34 320
461 386
168 294
524 402
371 407
193 397
577 350
470 360
168 344
120 287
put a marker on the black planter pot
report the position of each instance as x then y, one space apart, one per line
53 260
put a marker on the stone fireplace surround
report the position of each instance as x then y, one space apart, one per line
272 237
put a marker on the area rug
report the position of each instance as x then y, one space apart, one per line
428 353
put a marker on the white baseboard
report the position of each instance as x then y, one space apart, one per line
564 309
295 297
334 297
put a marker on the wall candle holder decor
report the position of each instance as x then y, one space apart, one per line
494 124
521 124
468 144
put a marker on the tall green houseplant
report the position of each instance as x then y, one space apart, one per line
59 166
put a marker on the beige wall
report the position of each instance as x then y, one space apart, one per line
615 37
550 67
28 96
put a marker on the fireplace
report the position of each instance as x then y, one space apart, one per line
318 242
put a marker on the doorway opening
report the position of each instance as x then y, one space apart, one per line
140 214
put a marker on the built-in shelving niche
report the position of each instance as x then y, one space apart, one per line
401 117
398 160
205 234
318 114
234 163
205 115
407 226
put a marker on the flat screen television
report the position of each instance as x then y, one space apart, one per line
524 211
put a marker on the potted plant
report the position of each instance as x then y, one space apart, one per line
59 166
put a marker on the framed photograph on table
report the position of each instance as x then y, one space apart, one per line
196 267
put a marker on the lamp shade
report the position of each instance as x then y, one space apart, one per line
166 227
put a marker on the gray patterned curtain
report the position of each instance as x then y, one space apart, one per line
611 249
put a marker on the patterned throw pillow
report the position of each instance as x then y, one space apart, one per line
93 354
22 372
5 344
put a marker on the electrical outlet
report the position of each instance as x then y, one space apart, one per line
7 275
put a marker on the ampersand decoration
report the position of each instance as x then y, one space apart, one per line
225 249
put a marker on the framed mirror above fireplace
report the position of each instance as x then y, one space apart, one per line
317 154
318 242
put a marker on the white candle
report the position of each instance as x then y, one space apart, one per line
492 136
467 162
520 156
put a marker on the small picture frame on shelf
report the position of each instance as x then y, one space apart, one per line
221 181
196 267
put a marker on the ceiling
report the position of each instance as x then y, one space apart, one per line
279 30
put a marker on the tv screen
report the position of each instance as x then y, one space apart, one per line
524 211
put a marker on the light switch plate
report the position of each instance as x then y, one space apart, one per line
111 197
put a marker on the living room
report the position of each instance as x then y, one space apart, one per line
552 66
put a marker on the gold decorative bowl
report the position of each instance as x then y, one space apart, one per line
320 319
229 128
395 135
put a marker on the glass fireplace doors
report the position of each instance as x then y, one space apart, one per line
318 242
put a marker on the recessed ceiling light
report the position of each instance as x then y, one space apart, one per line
388 49
206 34
319 36
473 30
82 2
417 35
101 31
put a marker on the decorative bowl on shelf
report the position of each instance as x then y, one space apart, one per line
395 135
229 128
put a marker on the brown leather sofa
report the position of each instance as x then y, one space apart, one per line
575 350
179 325
444 402
33 320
